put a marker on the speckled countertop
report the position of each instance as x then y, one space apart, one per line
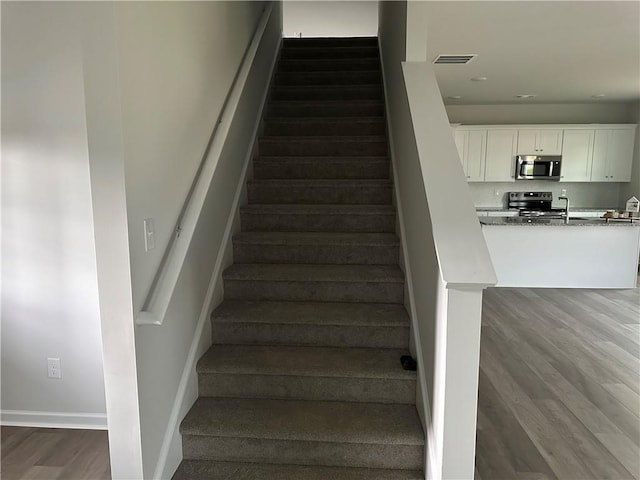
557 222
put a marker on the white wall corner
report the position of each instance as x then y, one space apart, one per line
416 43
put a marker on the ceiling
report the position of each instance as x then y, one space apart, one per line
560 51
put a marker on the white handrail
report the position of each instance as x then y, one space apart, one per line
157 303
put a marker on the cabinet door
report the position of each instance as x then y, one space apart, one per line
599 171
620 155
549 142
527 142
500 157
577 155
476 154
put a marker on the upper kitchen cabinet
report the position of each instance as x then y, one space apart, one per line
577 155
540 141
612 154
472 146
500 157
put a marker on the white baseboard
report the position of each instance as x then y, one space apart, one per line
26 418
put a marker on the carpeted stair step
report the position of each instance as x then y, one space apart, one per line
329 42
370 325
358 77
306 373
208 469
316 248
308 283
353 108
344 434
326 52
324 126
318 218
321 168
328 64
323 146
326 92
298 191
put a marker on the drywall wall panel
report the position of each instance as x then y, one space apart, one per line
538 113
177 61
49 285
330 18
627 190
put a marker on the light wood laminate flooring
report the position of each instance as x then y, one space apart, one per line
54 453
559 393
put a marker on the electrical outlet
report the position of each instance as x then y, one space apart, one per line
53 368
563 192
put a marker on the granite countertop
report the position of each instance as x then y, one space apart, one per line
557 222
502 209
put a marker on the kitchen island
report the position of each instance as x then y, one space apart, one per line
583 253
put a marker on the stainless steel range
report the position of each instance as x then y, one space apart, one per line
535 204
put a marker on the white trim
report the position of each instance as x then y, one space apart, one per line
26 418
159 298
216 277
430 452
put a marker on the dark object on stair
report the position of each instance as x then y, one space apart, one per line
408 363
302 381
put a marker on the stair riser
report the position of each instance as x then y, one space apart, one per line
325 169
364 92
329 78
356 128
299 148
312 335
302 452
317 254
357 292
307 388
318 223
277 194
337 109
329 53
330 42
339 65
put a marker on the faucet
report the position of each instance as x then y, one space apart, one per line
566 210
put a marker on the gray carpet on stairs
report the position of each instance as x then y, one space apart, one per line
303 380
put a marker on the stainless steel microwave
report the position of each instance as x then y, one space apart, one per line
538 167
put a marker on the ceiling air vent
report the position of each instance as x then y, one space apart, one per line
454 59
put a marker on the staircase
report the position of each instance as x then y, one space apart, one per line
304 380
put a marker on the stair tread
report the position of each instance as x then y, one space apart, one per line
208 469
323 138
346 86
308 361
312 313
316 159
322 182
316 238
347 120
326 209
314 273
324 102
296 420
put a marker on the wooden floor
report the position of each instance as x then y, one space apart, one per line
48 454
559 385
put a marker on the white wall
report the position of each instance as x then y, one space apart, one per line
172 91
50 294
330 18
538 113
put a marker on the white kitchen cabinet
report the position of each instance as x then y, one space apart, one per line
577 155
500 156
612 154
471 145
540 141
